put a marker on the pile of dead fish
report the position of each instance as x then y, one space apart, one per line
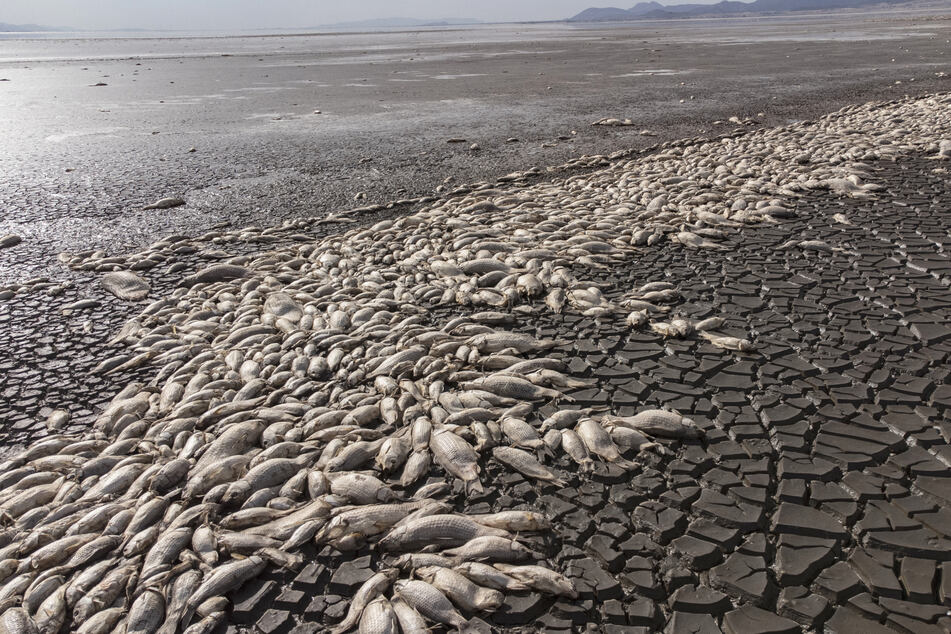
331 393
692 192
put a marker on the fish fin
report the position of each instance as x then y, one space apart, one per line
186 618
468 627
474 485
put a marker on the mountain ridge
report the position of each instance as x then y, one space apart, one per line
29 28
399 22
655 10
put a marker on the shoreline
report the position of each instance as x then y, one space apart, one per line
258 158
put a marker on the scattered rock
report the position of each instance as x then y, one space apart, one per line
10 240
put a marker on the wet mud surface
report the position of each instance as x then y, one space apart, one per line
230 125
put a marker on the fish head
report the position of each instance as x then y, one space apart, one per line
426 573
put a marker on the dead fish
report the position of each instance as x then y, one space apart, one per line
39 591
361 488
217 273
710 323
410 621
417 465
496 341
394 452
125 285
355 455
541 579
431 603
179 590
303 534
457 457
166 550
370 590
729 343
281 558
489 577
103 622
576 449
432 491
205 544
555 300
637 318
599 442
447 530
379 618
222 580
627 438
521 434
51 615
563 419
208 624
367 521
57 420
555 379
660 423
514 521
103 594
412 561
283 527
514 387
525 464
243 543
146 613
462 592
165 203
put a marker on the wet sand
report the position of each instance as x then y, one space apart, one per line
78 161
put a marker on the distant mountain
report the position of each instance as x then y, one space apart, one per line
391 23
28 28
609 14
655 10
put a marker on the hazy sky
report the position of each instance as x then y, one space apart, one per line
243 14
